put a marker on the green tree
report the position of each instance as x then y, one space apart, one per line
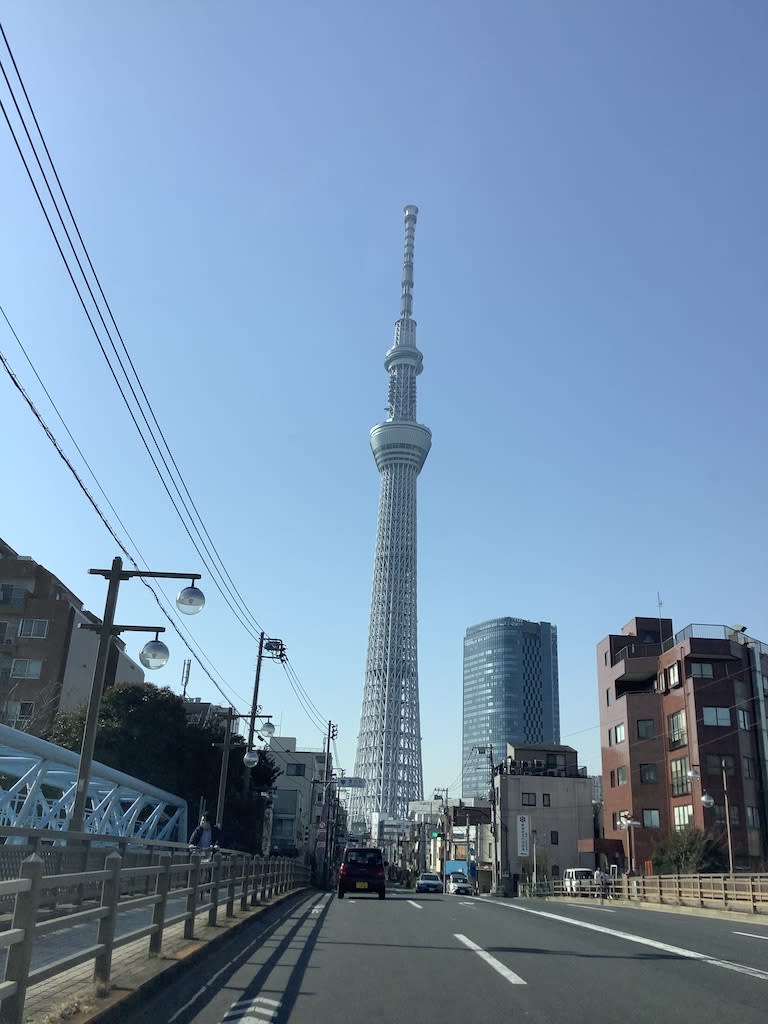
689 851
142 731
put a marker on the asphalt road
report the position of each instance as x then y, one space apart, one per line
437 959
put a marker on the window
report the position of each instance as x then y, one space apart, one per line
743 718
651 819
545 799
295 769
555 870
529 799
753 817
613 779
621 775
648 773
661 681
11 594
37 628
610 737
673 674
683 816
645 729
614 821
714 764
680 782
554 838
748 767
702 670
620 733
676 726
608 697
26 668
733 813
717 716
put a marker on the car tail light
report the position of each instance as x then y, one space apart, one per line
380 871
343 869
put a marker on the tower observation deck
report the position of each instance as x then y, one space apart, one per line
389 743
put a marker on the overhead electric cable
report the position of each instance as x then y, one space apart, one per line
81 483
214 571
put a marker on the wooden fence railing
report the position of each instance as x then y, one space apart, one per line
738 892
114 888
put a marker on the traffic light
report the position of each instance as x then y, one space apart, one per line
435 835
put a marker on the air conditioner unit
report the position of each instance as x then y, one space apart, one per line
538 764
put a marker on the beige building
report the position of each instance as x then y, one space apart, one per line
544 801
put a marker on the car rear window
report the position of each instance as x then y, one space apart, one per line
368 858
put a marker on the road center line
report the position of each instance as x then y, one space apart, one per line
751 935
497 965
415 904
690 954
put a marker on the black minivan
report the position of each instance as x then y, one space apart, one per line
361 871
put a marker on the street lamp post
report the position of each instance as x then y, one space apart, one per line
629 823
724 770
190 600
533 833
269 647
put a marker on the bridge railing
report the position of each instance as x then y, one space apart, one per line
103 894
744 893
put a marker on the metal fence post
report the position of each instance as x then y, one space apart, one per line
194 886
158 911
214 890
258 868
110 896
20 954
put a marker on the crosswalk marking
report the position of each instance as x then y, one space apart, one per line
243 1011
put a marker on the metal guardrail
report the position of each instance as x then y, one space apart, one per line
223 879
741 893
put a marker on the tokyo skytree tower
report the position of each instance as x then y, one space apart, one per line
389 742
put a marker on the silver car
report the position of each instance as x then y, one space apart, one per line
458 884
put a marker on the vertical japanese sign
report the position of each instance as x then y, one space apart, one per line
523 835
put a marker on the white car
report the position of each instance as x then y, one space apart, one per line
577 880
457 884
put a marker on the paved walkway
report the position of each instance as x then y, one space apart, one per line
71 996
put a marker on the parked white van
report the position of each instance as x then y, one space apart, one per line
577 880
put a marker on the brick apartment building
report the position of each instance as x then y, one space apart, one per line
675 703
46 662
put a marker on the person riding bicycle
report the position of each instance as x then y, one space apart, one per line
206 836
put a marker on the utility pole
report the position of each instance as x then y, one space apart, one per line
224 768
333 732
494 826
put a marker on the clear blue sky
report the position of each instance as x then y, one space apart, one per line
590 291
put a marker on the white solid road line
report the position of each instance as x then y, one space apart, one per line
690 954
751 935
415 904
497 965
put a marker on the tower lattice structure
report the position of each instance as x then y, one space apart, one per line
389 743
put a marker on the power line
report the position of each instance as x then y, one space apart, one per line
113 533
213 570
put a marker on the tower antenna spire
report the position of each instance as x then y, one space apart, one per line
406 299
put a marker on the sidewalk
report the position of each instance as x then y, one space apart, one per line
71 996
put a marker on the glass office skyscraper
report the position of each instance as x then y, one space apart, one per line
510 693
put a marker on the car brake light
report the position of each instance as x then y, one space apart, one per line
380 871
343 869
